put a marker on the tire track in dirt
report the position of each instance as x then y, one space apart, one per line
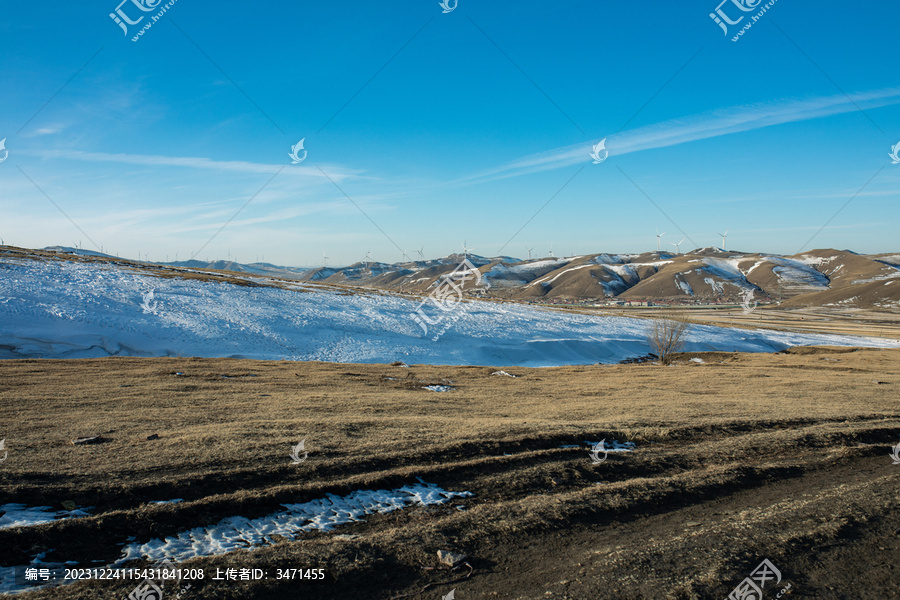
510 489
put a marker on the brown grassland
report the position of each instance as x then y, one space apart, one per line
741 458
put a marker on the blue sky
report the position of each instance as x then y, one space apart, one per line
429 129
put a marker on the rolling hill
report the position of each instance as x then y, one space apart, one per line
705 275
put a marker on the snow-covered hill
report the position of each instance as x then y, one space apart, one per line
58 308
704 275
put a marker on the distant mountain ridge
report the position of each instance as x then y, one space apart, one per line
825 277
704 275
259 268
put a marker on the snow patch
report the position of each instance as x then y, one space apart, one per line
684 285
324 514
503 373
437 388
20 515
615 446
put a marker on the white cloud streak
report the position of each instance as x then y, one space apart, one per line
189 162
702 126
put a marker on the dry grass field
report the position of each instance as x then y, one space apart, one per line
740 458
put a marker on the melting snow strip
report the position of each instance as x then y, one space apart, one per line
615 446
19 515
438 388
235 533
9 584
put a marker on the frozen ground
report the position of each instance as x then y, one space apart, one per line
58 309
324 514
237 532
19 515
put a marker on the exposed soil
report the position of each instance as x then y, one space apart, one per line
741 458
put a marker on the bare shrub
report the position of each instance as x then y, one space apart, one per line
666 336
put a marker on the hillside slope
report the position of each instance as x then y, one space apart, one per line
705 275
53 307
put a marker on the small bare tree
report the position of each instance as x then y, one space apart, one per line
666 336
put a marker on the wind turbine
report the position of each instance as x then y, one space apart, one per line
724 235
551 250
658 236
465 250
677 246
406 256
529 251
368 259
421 248
325 256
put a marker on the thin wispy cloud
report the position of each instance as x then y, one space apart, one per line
191 221
190 162
50 130
692 128
874 194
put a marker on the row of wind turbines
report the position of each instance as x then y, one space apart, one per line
421 252
678 244
368 259
466 249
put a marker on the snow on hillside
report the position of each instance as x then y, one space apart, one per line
60 309
503 275
891 259
724 268
614 259
684 285
621 277
888 276
544 281
812 260
798 275
76 251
